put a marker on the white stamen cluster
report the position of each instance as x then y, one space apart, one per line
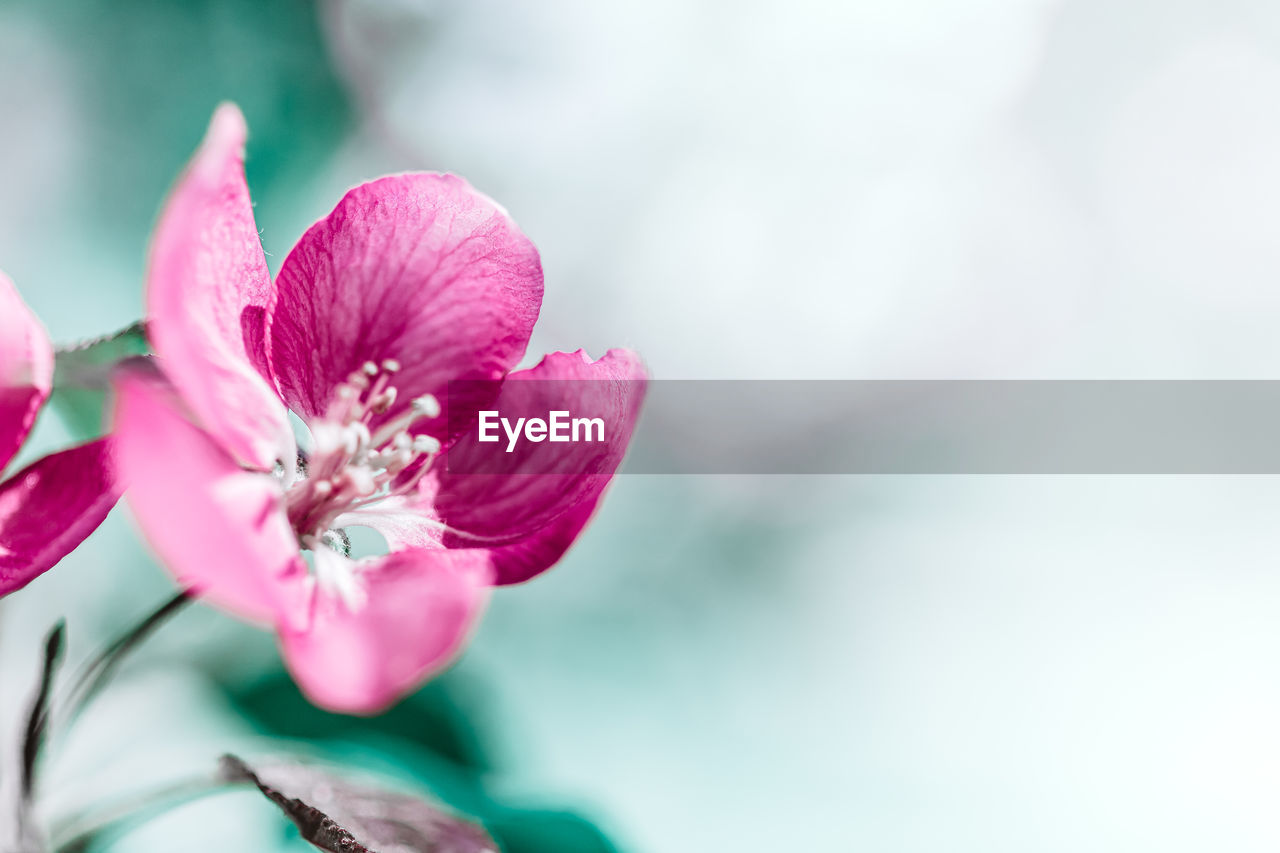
352 464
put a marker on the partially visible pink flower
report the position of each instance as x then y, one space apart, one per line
49 507
413 281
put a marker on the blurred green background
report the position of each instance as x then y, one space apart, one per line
115 98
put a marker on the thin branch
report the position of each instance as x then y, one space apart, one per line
101 668
37 720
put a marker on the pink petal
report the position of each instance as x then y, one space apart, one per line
404 521
419 608
207 292
26 369
49 507
531 518
418 268
216 527
532 555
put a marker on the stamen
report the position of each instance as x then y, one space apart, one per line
356 438
426 444
426 406
361 480
354 465
384 401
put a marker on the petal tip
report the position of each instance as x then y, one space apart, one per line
625 363
228 127
223 142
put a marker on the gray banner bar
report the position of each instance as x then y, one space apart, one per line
958 427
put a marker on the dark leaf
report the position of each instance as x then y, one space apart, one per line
336 815
37 719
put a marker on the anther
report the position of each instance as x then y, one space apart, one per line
362 481
425 444
384 400
355 438
426 406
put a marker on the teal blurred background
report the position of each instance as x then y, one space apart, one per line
815 189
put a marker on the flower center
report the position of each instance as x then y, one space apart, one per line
351 465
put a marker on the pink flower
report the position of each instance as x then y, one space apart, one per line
49 507
412 281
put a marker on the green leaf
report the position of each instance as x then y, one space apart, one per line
520 831
81 376
435 719
441 737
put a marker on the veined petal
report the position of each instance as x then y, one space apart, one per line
418 268
49 507
207 293
216 527
529 519
26 369
415 613
533 554
405 521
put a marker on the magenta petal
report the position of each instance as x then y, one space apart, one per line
419 607
418 268
529 519
26 369
207 292
49 507
216 527
534 554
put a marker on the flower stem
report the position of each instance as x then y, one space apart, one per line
37 721
98 672
95 675
29 839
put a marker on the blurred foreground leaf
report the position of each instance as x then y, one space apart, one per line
333 814
431 720
439 737
520 831
81 375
